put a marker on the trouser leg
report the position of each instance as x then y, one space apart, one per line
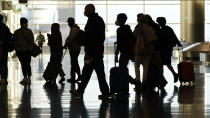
99 68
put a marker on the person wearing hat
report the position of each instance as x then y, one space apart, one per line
74 49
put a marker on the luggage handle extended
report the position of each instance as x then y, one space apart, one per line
115 48
182 54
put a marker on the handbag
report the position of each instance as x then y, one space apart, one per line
35 50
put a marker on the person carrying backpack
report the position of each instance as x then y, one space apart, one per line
72 42
168 40
5 35
125 38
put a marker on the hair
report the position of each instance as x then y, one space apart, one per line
142 18
161 20
23 20
90 7
122 17
55 27
71 20
140 14
1 18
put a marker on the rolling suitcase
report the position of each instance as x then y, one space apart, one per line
186 72
119 83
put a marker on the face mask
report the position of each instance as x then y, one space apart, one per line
24 25
117 23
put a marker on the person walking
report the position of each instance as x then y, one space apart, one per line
144 48
56 50
5 35
40 39
124 39
94 52
167 41
74 49
24 39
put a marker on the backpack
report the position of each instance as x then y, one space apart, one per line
81 38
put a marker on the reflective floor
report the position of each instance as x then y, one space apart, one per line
40 101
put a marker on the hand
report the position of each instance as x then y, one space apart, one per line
48 35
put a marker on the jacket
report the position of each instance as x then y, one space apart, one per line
24 39
95 36
145 38
71 41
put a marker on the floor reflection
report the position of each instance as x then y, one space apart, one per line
54 95
54 101
3 102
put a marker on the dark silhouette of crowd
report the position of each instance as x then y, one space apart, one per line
150 44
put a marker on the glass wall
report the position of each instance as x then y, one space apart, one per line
42 13
207 20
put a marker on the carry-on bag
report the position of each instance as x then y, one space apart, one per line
186 72
119 83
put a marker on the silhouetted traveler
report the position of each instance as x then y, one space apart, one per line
24 40
40 39
94 52
74 49
124 38
56 50
156 29
156 63
5 35
167 41
144 48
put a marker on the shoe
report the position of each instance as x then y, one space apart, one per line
76 93
28 81
176 78
23 81
62 80
71 80
3 82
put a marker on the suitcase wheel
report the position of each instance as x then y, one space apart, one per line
187 83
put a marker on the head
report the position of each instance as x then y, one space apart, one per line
40 32
141 19
71 21
89 10
149 18
23 22
161 21
121 19
55 28
139 16
1 18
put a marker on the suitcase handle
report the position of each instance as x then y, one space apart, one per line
182 54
